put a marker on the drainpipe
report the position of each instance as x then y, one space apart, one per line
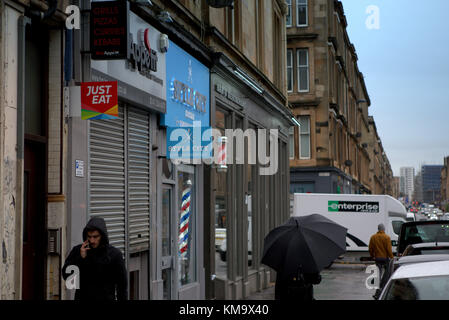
23 22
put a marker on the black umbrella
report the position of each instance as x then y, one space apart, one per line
311 242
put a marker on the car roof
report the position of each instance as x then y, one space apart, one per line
425 269
429 244
421 258
416 223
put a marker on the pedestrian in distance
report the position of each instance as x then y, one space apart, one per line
297 288
102 271
380 250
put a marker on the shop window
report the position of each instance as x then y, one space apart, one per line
221 207
166 284
166 222
302 187
187 217
250 200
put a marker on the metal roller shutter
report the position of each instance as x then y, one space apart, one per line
107 192
138 144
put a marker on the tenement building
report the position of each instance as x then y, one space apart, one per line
330 149
189 230
380 172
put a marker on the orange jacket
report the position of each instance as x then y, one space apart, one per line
380 246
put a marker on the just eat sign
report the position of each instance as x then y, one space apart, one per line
99 100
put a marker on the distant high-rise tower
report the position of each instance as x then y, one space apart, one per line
406 185
431 183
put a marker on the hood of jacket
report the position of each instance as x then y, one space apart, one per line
100 225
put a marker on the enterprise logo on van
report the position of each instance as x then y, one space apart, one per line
353 206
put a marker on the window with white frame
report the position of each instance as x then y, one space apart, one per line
289 70
291 142
303 69
345 102
304 137
288 22
301 13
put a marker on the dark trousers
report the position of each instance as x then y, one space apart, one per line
382 265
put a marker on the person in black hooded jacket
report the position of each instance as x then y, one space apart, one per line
102 271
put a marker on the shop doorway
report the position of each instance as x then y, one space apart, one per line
33 222
167 242
35 165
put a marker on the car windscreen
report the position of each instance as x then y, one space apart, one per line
422 288
397 224
430 250
416 233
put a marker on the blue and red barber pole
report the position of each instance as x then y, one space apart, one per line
184 221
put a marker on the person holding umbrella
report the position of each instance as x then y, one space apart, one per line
296 288
298 250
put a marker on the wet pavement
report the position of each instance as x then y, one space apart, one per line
342 281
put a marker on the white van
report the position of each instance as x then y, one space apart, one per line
410 217
360 214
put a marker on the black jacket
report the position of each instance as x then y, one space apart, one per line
103 273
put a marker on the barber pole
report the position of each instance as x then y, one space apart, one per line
184 221
221 163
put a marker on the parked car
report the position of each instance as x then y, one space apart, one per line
394 264
426 248
419 281
422 231
221 243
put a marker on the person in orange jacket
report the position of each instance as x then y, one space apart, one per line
380 250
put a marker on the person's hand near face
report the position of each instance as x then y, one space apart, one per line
84 248
93 241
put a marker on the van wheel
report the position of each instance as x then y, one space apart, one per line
223 255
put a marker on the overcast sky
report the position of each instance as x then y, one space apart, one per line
406 67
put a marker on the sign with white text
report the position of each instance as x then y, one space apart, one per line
99 100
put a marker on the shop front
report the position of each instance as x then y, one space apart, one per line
251 197
115 161
182 223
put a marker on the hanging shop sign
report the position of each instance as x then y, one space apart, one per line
141 75
187 90
99 100
109 30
